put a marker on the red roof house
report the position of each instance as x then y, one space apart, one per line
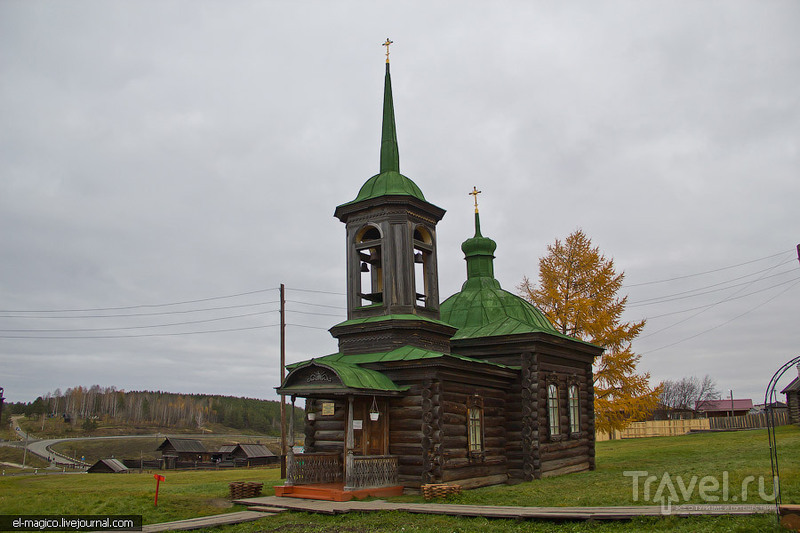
712 408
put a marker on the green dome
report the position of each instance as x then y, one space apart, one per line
388 183
483 308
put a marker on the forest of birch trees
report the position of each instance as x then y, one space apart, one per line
108 404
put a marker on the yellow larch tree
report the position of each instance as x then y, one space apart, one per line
577 291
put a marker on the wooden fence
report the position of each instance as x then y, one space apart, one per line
748 421
667 428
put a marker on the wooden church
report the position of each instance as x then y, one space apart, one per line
478 390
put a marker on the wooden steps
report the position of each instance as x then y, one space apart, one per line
334 492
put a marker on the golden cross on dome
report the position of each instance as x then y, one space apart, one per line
386 44
475 192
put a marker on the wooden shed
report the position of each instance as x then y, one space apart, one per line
480 390
108 466
249 454
183 450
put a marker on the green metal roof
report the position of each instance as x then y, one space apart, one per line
383 318
351 375
389 183
404 353
485 311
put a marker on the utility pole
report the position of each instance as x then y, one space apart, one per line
283 374
732 410
25 454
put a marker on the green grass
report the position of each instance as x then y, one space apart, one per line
16 455
188 494
183 494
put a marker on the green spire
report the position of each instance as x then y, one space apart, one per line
390 158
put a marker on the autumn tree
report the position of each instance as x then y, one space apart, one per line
578 292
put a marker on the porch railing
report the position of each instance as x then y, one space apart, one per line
312 468
371 471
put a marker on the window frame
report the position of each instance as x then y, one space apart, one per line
476 450
553 414
574 406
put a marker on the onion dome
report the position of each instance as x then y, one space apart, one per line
482 308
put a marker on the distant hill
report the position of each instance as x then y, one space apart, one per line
106 405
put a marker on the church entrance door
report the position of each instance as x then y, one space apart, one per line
373 437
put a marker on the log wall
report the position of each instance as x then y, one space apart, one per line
326 433
567 451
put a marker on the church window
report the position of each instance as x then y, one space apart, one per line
574 409
423 247
552 409
475 427
370 260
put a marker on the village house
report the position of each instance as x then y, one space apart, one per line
108 466
175 450
247 454
792 392
479 390
721 408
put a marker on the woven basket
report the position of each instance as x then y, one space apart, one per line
439 490
245 489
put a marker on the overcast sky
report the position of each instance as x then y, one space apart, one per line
166 165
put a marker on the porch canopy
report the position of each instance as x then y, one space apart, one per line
327 377
330 377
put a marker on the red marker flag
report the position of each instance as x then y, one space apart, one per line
159 479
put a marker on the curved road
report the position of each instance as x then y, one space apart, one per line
41 447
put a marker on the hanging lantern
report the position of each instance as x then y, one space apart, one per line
374 414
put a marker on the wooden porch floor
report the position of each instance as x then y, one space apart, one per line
335 492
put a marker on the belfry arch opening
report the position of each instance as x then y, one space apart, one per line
370 259
423 266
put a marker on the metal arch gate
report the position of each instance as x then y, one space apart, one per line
769 400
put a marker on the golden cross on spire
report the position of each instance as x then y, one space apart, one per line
475 192
386 44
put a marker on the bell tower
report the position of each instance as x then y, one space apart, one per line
392 274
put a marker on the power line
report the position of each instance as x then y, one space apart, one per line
140 335
140 306
83 330
125 315
316 291
726 322
726 300
316 304
678 296
318 314
308 327
706 308
706 272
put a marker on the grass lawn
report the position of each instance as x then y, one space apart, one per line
733 455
